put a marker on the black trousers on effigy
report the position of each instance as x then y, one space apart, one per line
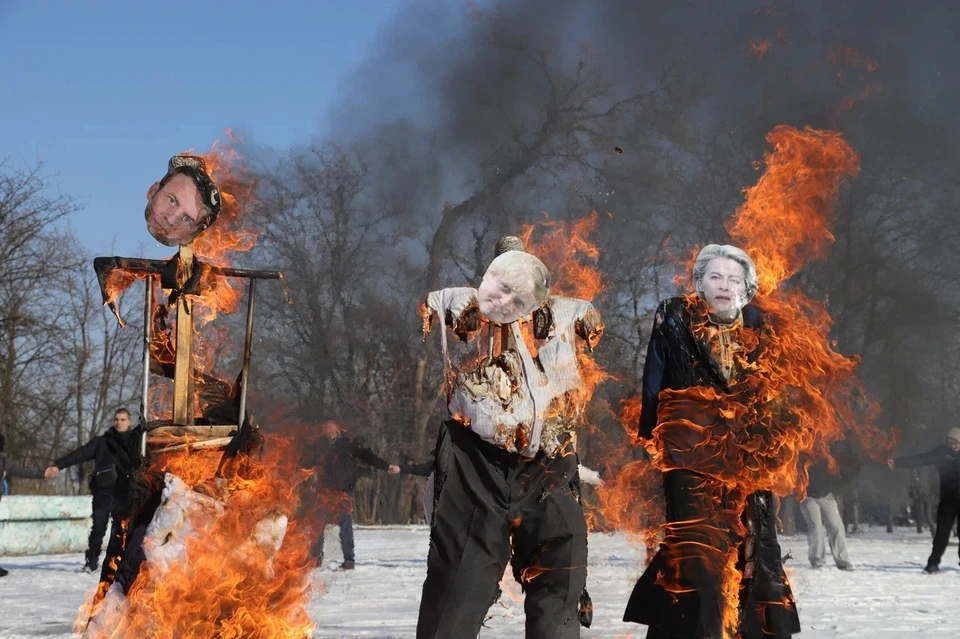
485 498
133 509
115 543
680 596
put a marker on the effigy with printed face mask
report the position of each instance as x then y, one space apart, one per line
521 392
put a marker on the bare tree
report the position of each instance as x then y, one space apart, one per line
64 362
30 259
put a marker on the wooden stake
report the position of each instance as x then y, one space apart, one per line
183 366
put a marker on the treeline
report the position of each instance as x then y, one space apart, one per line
465 126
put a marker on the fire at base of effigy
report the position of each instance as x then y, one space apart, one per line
207 544
183 518
222 556
736 407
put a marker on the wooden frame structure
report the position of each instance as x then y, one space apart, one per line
183 432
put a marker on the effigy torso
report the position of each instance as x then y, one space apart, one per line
524 398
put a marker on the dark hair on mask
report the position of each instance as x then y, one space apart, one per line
196 169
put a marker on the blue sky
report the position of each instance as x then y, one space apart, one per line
104 92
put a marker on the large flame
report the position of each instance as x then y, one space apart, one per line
799 395
231 233
229 584
571 255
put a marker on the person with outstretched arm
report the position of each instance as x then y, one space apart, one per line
13 469
946 457
100 449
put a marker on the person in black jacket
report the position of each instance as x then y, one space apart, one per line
336 458
101 481
129 494
13 469
699 348
946 457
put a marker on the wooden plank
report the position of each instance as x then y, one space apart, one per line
165 432
183 366
208 444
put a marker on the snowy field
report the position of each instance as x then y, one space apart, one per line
887 596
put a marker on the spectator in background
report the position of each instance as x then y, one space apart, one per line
820 510
13 469
101 449
335 460
946 457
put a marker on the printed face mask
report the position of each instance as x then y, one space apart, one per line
510 290
724 287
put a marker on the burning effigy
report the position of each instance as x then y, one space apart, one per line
506 485
742 393
203 542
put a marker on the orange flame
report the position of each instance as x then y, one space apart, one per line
571 257
229 583
566 249
798 396
760 48
231 233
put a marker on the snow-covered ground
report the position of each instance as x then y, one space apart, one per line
887 596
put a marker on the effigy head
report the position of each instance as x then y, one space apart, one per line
725 278
515 284
183 203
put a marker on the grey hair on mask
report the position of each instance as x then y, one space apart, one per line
713 251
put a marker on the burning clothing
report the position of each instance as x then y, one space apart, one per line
167 550
716 534
724 342
505 464
533 502
520 399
